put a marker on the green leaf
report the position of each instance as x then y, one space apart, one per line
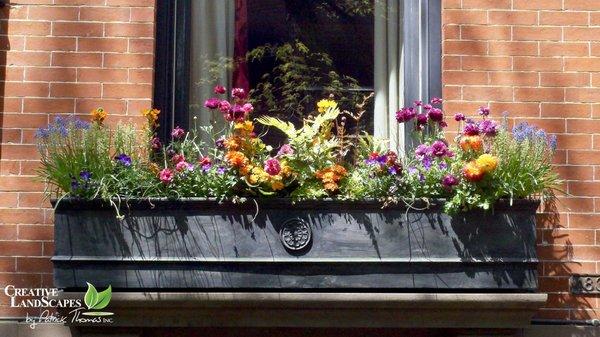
91 296
103 299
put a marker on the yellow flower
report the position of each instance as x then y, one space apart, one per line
325 104
473 172
246 127
277 185
487 162
152 116
98 115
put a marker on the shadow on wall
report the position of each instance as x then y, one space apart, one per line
559 249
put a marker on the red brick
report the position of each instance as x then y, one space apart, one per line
80 29
20 248
130 3
50 43
142 14
582 95
538 63
451 62
464 77
76 59
590 189
556 125
79 2
513 17
50 74
84 90
582 64
565 79
489 93
564 49
539 94
27 28
10 136
48 105
537 4
465 48
486 63
128 60
575 172
53 13
515 109
26 89
569 236
141 45
141 76
485 33
570 142
116 106
586 5
458 16
565 110
37 264
106 14
127 90
129 29
13 74
514 48
578 157
582 34
564 18
8 232
537 33
102 75
18 58
34 200
102 44
486 4
19 151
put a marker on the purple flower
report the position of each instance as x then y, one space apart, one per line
436 114
552 142
427 162
177 133
442 165
395 169
220 143
236 113
422 151
224 106
488 127
405 114
85 175
238 93
221 170
248 108
219 89
459 117
418 103
439 148
421 119
123 160
212 103
155 144
449 181
442 124
427 107
285 149
471 129
436 100
272 166
484 111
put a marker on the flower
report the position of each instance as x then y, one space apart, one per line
471 129
155 144
212 103
177 158
439 149
177 133
272 166
405 114
277 185
183 165
236 113
224 106
152 116
449 181
165 176
123 160
220 143
487 162
98 115
459 117
221 170
245 128
325 104
436 100
484 111
236 159
472 172
248 108
552 142
421 120
418 103
435 114
422 151
238 93
331 176
285 150
488 127
219 89
471 143
85 175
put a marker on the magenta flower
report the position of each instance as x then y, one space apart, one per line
177 133
484 111
488 127
238 93
442 124
449 181
405 114
436 115
177 158
272 166
248 108
236 113
422 151
427 107
471 129
436 100
219 89
459 117
166 176
183 165
285 149
439 148
155 144
212 103
224 106
418 103
421 119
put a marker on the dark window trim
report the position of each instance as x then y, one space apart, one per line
171 65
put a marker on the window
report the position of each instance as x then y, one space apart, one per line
291 53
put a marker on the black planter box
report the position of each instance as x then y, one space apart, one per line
275 244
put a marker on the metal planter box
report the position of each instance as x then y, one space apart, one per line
276 244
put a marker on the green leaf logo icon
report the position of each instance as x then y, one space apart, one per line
95 300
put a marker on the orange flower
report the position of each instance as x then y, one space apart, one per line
98 115
473 172
232 143
244 128
332 187
236 159
277 185
487 162
473 143
152 116
330 177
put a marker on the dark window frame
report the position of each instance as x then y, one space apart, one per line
171 64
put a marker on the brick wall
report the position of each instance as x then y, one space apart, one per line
61 56
540 60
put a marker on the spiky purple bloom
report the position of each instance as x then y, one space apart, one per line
427 107
459 117
219 89
438 149
471 129
224 106
238 93
436 100
484 111
405 114
418 103
488 127
421 119
123 160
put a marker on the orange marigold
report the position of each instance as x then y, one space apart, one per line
152 116
98 115
236 159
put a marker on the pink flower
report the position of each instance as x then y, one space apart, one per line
236 113
418 103
285 149
449 181
155 144
272 166
238 93
177 158
212 103
436 100
166 176
484 111
427 107
183 165
219 89
248 108
436 114
459 117
177 133
224 106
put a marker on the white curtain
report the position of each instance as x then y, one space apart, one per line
389 71
212 41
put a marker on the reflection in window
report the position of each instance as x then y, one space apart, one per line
291 53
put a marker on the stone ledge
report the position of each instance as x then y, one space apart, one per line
367 310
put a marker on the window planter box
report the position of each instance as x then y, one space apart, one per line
278 245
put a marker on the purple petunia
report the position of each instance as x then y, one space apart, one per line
488 127
123 160
449 181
